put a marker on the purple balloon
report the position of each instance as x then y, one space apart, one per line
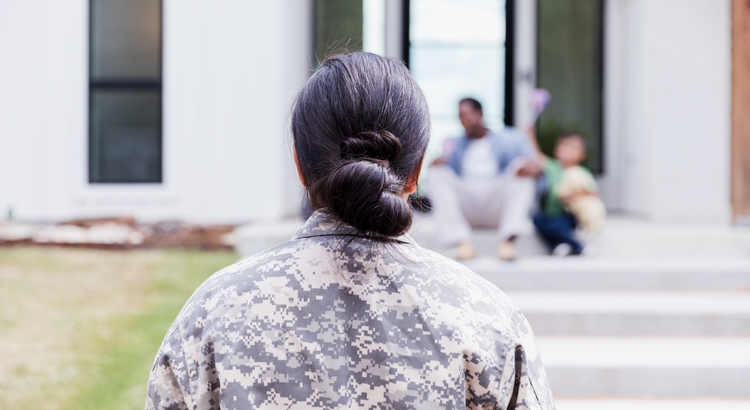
539 99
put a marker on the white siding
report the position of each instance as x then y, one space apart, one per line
231 69
43 94
668 80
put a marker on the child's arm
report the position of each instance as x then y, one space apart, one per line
531 134
534 166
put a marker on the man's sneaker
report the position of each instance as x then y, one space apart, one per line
465 250
562 250
507 251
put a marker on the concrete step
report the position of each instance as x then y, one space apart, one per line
647 367
656 313
621 237
625 404
615 274
424 230
633 272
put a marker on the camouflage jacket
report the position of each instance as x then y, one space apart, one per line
326 321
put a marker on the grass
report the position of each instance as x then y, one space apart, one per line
80 328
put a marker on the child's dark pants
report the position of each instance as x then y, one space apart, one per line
558 229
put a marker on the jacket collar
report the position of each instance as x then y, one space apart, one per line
322 224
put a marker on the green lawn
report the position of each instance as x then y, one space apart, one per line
79 329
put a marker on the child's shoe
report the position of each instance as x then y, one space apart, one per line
562 250
589 251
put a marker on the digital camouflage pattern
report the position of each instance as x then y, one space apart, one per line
324 322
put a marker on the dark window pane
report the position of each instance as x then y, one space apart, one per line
125 135
125 38
125 91
338 25
569 65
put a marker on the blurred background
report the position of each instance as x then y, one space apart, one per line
145 144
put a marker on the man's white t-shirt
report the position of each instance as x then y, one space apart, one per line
479 162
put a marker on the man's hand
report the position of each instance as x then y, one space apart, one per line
437 162
530 168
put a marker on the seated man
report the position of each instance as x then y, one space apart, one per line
483 178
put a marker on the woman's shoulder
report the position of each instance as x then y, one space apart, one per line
459 299
462 298
239 281
433 263
455 276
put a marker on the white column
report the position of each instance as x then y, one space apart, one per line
525 60
394 28
613 182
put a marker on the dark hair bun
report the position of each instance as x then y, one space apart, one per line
370 144
362 191
366 195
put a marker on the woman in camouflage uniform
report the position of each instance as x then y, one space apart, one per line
351 312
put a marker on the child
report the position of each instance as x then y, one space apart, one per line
571 198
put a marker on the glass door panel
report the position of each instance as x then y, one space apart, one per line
569 65
457 50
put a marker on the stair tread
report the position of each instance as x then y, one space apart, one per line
573 265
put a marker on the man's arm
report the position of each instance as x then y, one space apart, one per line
531 168
449 147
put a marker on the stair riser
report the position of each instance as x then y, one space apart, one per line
649 382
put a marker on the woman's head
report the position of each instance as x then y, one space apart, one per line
361 128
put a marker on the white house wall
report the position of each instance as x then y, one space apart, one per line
43 94
231 69
668 89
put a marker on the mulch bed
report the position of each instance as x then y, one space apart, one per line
119 233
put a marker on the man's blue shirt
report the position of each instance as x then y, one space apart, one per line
507 145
